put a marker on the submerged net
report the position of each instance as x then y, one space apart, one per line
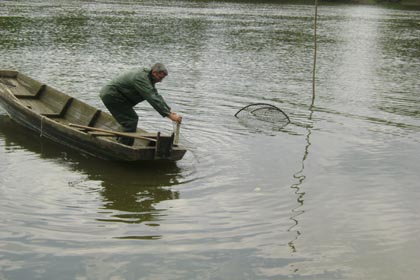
262 116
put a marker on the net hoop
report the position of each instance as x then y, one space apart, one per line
263 106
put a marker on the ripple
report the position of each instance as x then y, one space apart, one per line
337 183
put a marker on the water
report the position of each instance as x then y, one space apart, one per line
333 195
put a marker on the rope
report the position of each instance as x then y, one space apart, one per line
315 51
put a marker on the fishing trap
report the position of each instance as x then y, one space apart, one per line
263 115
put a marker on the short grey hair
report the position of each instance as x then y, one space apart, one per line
159 67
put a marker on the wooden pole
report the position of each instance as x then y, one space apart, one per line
176 137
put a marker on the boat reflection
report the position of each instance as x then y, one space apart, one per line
129 191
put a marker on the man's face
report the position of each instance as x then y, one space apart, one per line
158 76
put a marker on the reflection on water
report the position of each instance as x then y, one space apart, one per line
297 187
129 191
332 195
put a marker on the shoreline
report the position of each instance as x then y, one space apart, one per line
399 4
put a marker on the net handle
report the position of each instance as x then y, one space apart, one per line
263 104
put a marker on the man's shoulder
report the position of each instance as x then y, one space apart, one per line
140 73
142 79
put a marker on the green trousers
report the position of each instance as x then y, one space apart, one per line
122 110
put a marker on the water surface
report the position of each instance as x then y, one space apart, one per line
333 195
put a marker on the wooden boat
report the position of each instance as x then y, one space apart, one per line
71 122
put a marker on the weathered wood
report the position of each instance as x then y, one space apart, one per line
32 86
102 134
118 133
81 113
49 113
176 137
163 146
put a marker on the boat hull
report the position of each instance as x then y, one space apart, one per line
56 127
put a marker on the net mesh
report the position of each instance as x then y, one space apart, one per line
262 116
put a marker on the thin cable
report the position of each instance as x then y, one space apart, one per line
315 53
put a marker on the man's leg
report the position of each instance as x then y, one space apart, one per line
124 114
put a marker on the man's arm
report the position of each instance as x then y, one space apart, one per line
175 117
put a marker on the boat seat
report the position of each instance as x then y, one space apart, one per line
23 93
39 107
20 90
27 87
81 113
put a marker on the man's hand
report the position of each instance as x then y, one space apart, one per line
175 117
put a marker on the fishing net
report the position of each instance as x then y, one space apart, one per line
262 116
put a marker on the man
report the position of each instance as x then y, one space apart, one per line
124 92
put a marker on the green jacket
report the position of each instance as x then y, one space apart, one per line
137 86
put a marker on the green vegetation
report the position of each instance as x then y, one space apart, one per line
402 3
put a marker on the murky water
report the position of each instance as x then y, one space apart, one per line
333 195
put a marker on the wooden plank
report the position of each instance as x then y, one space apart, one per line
99 133
32 87
94 118
81 113
7 82
23 92
62 111
13 87
124 134
37 106
8 73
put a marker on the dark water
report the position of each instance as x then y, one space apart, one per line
333 195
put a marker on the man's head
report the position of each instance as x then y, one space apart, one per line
159 72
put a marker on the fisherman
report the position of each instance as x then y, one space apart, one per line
121 94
